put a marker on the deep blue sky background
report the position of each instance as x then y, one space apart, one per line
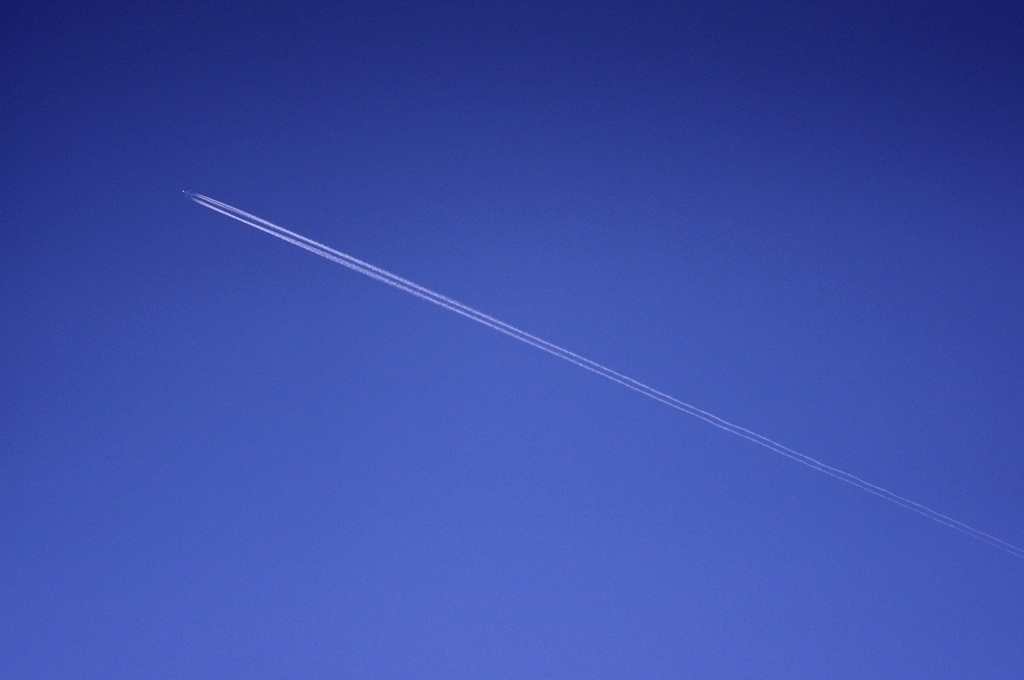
221 456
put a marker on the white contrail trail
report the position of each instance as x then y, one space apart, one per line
455 306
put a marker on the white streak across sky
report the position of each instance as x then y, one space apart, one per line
454 306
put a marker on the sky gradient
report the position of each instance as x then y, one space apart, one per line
221 456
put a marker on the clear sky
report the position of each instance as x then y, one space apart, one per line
222 456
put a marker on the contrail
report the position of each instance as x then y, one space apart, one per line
455 306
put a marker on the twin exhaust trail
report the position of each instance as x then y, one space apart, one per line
455 306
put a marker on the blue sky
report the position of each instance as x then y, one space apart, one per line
223 456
